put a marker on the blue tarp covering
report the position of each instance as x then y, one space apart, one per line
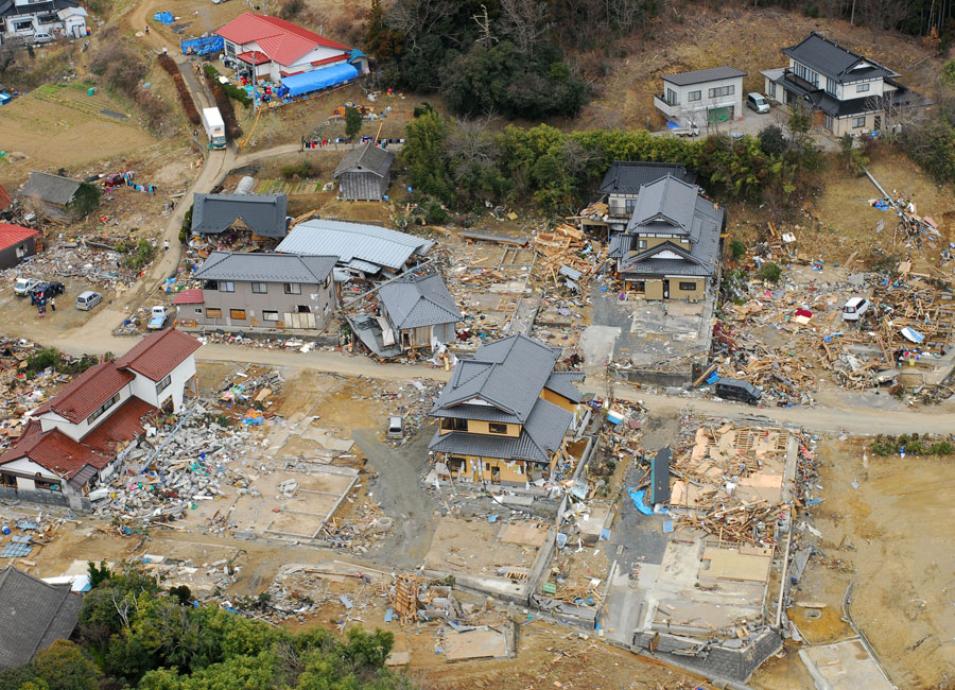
316 80
164 17
206 45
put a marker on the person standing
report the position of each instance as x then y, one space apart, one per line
53 304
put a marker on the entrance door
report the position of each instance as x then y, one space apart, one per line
666 289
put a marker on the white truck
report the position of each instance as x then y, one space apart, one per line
214 126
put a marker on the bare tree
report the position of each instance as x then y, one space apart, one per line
415 18
525 22
483 21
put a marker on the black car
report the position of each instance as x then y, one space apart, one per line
735 389
45 291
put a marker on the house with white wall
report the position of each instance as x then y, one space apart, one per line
81 436
701 97
845 92
22 19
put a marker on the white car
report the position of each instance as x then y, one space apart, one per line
855 308
757 102
24 286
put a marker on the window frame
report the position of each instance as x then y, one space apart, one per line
213 312
226 286
684 283
499 428
292 288
164 384
856 122
694 96
863 88
102 409
238 310
267 313
259 288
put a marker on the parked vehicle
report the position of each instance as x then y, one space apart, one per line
87 300
690 130
214 125
41 38
855 308
23 286
395 427
736 389
757 102
46 291
157 319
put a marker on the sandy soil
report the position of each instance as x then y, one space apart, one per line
888 537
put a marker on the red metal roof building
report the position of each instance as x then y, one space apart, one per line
276 48
16 243
81 432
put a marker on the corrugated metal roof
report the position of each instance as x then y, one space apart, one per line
362 186
264 214
415 302
388 248
266 267
703 75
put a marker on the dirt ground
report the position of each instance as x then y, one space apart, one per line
888 538
689 36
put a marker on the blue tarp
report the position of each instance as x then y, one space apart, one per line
164 17
638 501
5 98
205 45
316 80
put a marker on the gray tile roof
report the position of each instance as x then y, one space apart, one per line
417 301
388 248
829 58
562 383
263 214
508 374
541 436
704 75
33 615
368 158
484 413
627 177
266 267
53 189
665 205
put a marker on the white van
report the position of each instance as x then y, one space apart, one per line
757 102
855 308
87 300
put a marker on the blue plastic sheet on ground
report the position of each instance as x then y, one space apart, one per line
667 526
712 378
673 124
204 45
638 502
389 615
881 205
316 80
164 17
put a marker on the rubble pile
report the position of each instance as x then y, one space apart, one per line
96 262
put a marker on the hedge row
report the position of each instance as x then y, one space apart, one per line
232 129
168 64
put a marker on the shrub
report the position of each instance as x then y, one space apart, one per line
291 9
299 170
737 248
138 255
85 200
223 103
770 272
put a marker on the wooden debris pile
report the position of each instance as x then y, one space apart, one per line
566 247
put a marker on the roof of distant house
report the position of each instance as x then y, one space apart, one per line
417 301
53 189
266 267
704 75
157 354
369 244
263 214
12 235
366 158
10 8
627 177
283 41
33 615
828 57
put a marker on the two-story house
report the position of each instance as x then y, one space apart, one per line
701 97
22 19
267 291
81 435
503 415
621 186
846 92
670 247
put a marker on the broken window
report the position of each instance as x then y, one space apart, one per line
304 309
213 313
454 424
237 314
639 286
164 384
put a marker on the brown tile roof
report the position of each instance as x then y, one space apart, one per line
84 394
123 425
159 353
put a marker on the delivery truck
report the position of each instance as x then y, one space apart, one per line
214 126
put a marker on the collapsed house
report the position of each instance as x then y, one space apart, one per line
253 291
367 251
49 195
81 436
417 314
261 214
504 414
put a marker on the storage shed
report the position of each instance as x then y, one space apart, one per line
364 173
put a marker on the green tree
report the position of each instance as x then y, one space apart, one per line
772 141
770 272
353 122
85 200
737 248
424 156
800 119
932 146
63 666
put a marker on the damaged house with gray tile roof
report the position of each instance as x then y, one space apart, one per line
264 215
364 173
503 416
670 248
260 292
416 314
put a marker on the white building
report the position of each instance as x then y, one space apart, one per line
81 435
706 96
22 19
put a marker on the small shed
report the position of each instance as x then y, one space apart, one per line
50 194
364 173
16 244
